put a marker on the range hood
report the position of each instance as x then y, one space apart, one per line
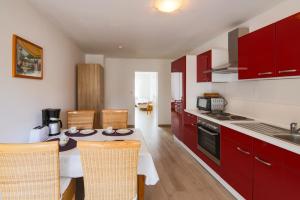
232 65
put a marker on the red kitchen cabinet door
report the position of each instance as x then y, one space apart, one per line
190 138
237 162
288 46
291 175
257 54
175 123
179 65
268 172
204 65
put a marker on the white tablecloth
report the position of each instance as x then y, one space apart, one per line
70 163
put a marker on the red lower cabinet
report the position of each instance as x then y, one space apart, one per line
237 161
291 175
257 170
190 131
176 120
268 172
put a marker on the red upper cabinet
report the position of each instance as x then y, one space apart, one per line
288 46
256 53
268 172
204 66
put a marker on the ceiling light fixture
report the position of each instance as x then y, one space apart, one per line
120 47
168 6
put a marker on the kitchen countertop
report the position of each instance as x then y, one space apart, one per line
229 124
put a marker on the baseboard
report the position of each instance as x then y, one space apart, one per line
130 126
210 170
164 125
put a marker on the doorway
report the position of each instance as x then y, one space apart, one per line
146 90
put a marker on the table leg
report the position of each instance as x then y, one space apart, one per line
141 187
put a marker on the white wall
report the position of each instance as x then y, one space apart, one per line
273 101
119 84
21 100
94 59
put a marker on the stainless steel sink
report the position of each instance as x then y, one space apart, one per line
293 138
263 128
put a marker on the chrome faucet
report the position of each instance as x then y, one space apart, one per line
294 128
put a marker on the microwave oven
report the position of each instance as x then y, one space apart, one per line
211 104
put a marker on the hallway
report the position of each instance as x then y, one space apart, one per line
181 177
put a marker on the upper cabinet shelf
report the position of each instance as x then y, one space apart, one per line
208 62
204 67
272 51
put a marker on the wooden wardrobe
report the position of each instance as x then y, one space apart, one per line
90 89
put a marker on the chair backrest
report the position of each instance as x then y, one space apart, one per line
81 119
109 169
116 118
29 171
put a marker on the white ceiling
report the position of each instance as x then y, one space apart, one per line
100 26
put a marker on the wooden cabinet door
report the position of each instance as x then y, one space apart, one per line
257 54
291 184
288 46
204 65
268 172
90 89
237 161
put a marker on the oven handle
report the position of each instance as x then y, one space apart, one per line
208 132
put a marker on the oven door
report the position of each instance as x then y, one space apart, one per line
209 143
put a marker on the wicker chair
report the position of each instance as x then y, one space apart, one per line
114 118
81 119
109 169
31 172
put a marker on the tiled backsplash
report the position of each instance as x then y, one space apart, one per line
274 101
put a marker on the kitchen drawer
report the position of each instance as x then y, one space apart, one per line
237 138
190 119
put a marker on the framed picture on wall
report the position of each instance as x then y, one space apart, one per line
27 59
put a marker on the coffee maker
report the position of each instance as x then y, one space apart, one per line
50 118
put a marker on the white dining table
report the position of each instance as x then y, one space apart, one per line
70 163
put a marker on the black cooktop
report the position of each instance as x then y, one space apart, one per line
226 116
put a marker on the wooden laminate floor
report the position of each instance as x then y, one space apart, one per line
181 177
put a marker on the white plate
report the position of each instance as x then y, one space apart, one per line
123 131
86 131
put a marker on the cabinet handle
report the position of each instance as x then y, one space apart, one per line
206 71
243 151
208 132
264 73
194 124
263 162
287 71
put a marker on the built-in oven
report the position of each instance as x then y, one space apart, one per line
209 139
